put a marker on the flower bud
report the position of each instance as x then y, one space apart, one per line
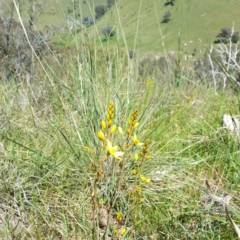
136 125
104 125
109 122
113 129
148 157
136 157
101 135
134 171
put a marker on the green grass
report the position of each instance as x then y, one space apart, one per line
54 13
45 173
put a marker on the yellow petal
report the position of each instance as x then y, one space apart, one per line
136 140
109 122
101 135
136 125
136 156
123 231
113 129
134 171
148 157
104 125
144 179
118 155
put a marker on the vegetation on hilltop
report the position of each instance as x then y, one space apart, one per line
138 22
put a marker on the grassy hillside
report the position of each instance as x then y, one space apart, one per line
139 23
54 13
197 23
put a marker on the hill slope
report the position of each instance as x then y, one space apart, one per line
138 23
197 22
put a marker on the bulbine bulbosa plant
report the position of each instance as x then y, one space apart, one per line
117 178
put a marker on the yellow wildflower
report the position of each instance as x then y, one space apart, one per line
104 125
148 157
113 150
123 230
113 129
109 122
136 157
134 171
141 200
136 125
144 179
119 216
136 140
101 135
138 190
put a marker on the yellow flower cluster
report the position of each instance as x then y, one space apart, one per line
132 123
144 179
110 115
145 148
122 231
119 216
134 171
103 134
132 153
138 190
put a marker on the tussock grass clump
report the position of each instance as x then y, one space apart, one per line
118 176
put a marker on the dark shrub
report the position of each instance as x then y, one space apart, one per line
235 37
16 57
108 32
226 35
100 10
85 21
166 17
110 3
169 3
92 21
